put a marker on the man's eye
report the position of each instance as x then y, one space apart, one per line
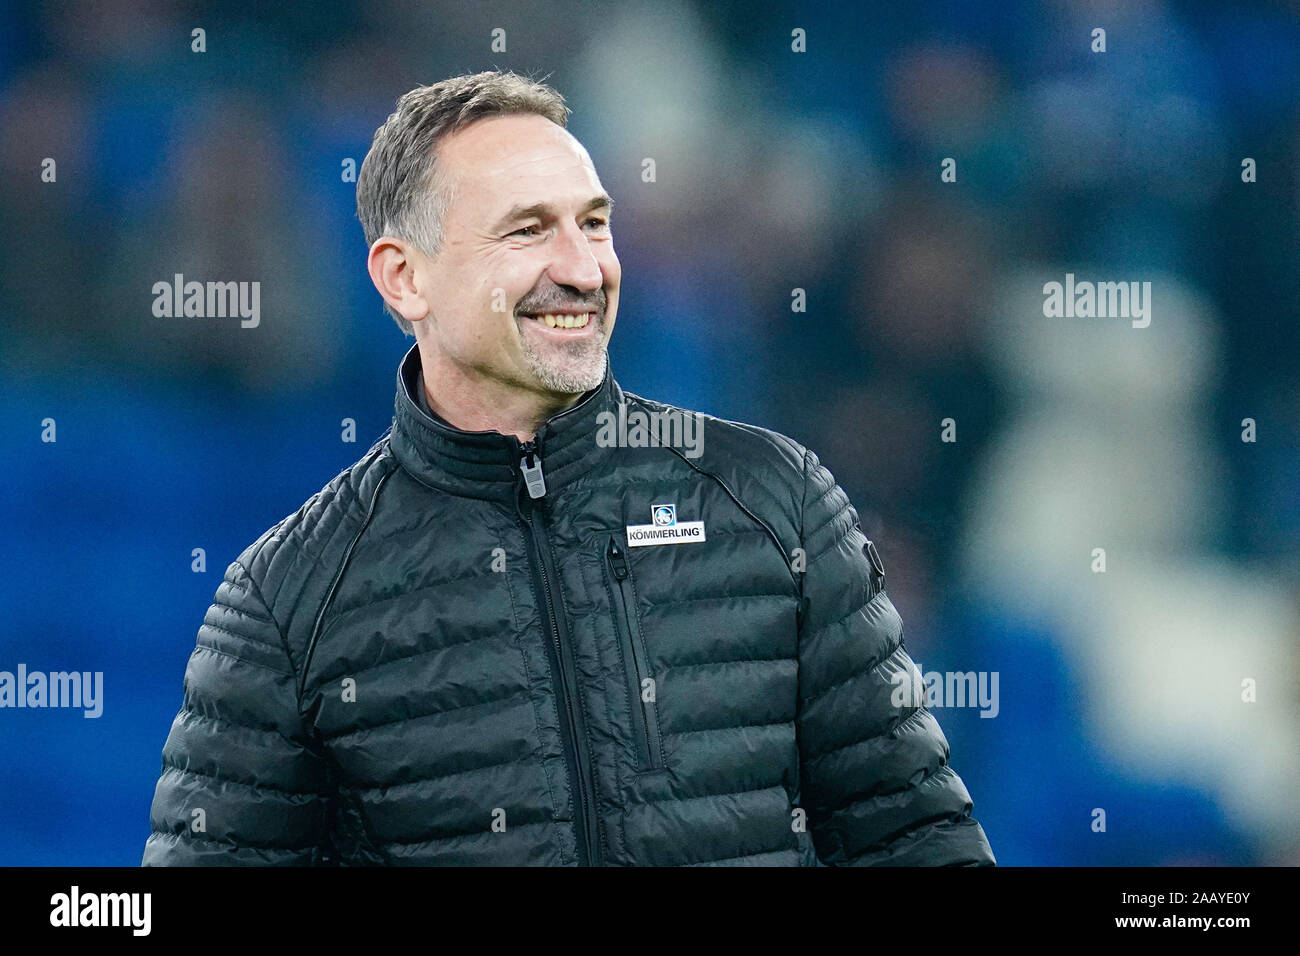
530 231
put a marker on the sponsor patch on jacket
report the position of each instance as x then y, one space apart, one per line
664 528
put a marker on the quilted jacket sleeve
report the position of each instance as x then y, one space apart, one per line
876 782
239 784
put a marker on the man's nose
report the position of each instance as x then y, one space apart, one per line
573 263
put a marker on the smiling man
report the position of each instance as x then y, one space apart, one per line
512 315
505 636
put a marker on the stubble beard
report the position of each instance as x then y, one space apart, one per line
573 368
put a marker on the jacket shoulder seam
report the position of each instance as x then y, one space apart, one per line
328 598
257 593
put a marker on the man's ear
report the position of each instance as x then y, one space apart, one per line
392 264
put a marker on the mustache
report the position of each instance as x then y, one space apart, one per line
596 305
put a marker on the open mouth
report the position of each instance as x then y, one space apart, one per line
562 320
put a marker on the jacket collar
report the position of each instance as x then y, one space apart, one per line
486 464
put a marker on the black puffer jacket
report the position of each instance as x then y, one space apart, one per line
426 665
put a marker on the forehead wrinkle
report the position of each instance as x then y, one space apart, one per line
483 182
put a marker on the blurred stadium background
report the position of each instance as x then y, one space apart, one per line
775 170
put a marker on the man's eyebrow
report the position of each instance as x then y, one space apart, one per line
544 210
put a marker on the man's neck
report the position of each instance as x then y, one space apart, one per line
475 405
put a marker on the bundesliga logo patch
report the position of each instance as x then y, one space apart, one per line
664 529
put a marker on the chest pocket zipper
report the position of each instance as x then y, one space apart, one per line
877 567
640 681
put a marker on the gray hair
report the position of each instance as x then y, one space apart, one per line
401 191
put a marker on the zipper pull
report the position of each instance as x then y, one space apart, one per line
617 559
531 466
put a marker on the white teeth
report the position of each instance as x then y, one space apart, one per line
566 321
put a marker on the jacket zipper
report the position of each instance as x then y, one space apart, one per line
572 731
643 712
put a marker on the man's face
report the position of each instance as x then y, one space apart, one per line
527 234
